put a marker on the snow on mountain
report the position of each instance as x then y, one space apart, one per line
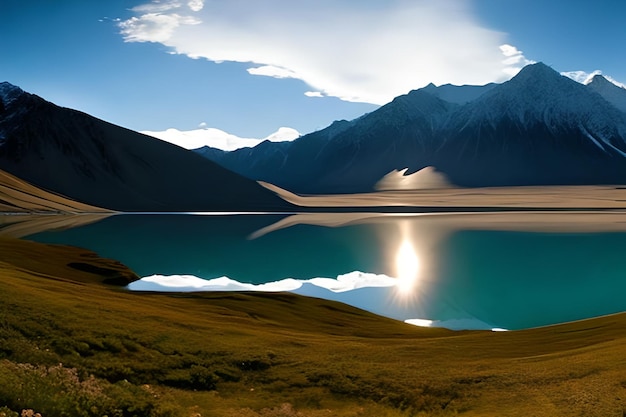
218 139
611 92
540 94
8 94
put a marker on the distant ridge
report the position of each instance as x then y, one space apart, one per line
103 165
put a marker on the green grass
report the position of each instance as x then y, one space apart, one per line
71 345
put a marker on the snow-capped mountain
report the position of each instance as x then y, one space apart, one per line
538 128
95 162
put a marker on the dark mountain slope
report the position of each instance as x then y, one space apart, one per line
98 163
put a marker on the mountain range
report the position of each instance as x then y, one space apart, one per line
88 160
539 128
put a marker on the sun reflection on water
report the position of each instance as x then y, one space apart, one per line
407 267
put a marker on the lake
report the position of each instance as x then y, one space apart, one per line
459 270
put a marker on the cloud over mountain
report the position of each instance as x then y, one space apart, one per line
357 51
216 138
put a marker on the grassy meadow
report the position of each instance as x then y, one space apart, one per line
73 342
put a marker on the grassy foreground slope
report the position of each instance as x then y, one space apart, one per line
73 346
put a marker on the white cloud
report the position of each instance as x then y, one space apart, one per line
272 71
153 27
283 134
357 51
156 7
313 94
216 138
196 5
514 59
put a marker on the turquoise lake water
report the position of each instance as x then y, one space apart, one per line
456 271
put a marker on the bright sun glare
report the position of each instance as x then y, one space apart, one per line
407 267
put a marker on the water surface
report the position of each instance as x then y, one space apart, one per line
504 270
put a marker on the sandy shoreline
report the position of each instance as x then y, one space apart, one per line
544 197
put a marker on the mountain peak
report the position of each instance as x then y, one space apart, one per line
536 71
599 79
535 84
611 92
539 95
8 93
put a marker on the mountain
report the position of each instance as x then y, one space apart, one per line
614 94
539 128
346 156
17 196
459 94
86 159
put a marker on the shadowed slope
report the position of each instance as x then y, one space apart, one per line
17 196
98 163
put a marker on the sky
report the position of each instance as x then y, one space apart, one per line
250 67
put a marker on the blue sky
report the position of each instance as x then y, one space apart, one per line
249 67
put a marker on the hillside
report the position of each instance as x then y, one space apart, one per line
17 196
97 163
72 346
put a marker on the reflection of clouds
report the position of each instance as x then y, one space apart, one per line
371 292
455 324
189 283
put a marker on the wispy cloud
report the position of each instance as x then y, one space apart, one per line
154 27
357 51
514 59
272 71
196 5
